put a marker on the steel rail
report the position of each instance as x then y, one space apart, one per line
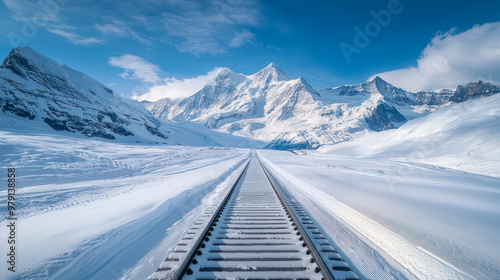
314 251
191 254
324 262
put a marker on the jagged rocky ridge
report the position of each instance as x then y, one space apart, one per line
33 86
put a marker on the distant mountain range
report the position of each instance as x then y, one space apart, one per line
267 108
289 114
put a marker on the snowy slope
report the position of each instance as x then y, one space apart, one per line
39 89
464 136
93 209
399 220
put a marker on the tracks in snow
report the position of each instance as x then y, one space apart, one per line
258 231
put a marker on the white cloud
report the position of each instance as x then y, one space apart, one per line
111 29
242 38
119 29
137 68
76 38
453 58
176 88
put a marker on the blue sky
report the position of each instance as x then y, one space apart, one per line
173 45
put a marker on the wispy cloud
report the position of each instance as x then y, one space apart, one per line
193 26
76 38
208 27
49 15
453 58
177 88
242 38
119 29
137 68
24 10
111 29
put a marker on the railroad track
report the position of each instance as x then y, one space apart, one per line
258 231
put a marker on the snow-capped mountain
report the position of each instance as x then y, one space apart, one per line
289 114
266 107
39 95
461 94
376 86
37 88
462 136
286 112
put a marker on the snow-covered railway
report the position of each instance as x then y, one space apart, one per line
258 231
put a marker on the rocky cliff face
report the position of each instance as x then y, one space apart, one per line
434 98
461 94
473 90
384 117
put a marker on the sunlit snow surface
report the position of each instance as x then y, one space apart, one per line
397 219
93 209
464 136
104 210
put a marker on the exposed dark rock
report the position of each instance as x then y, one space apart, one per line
16 108
474 90
155 131
383 117
58 125
287 145
433 98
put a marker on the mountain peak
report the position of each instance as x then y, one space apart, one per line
379 81
27 53
22 59
224 73
272 73
272 65
380 84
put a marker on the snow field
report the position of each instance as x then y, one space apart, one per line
434 223
92 209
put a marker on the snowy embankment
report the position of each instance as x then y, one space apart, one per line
399 220
100 210
464 136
